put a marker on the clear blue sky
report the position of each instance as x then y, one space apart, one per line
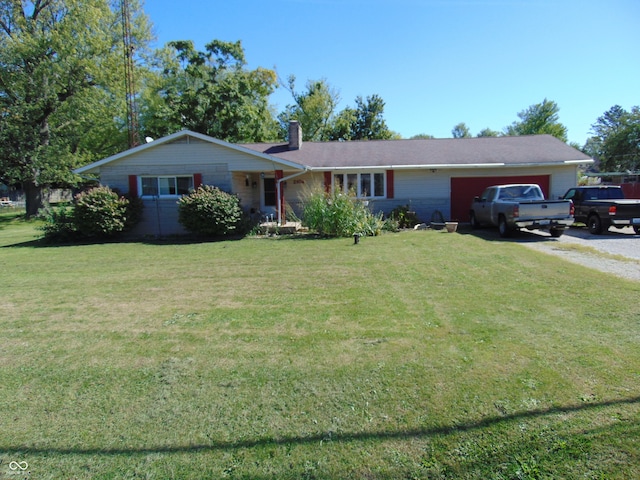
435 63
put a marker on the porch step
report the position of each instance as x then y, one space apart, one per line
288 228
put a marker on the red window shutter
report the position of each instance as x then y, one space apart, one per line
197 180
327 182
390 189
133 186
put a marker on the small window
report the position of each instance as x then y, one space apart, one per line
149 186
352 181
365 185
378 185
166 186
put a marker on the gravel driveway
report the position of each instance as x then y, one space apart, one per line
616 241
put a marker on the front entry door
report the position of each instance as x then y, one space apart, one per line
269 194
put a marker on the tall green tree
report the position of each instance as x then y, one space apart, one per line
461 131
210 92
364 122
616 139
314 108
541 118
58 58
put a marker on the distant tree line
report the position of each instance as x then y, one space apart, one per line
63 98
614 144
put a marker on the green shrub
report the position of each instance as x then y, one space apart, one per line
338 214
210 211
391 225
59 225
404 217
134 211
100 212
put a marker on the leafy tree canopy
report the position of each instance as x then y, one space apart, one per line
314 108
422 136
487 132
364 122
209 92
616 140
58 59
461 131
541 118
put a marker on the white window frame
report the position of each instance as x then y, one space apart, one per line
158 178
348 177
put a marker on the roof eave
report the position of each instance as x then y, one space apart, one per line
451 166
95 166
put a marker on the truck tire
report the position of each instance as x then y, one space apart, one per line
556 232
503 227
594 224
473 221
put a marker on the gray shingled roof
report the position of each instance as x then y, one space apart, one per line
525 150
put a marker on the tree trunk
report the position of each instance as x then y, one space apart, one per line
33 198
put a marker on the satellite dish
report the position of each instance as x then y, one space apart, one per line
148 139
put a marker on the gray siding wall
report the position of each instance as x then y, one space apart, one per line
426 191
159 218
218 165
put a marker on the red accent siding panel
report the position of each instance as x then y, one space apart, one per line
197 180
463 189
390 187
133 186
327 182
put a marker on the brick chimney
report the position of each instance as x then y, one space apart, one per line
295 135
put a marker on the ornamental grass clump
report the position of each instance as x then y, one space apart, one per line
338 214
210 211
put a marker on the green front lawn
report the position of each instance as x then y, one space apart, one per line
411 355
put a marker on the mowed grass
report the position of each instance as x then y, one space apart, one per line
410 355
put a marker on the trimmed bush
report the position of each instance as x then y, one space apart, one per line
100 212
338 214
210 211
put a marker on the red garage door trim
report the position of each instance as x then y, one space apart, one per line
463 189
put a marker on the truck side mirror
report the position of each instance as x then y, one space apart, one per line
476 199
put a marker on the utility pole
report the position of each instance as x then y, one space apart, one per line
129 76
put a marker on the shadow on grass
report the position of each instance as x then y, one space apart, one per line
334 437
169 240
518 236
185 239
9 217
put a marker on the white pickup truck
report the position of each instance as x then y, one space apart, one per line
511 207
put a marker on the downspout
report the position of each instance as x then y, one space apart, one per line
278 189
